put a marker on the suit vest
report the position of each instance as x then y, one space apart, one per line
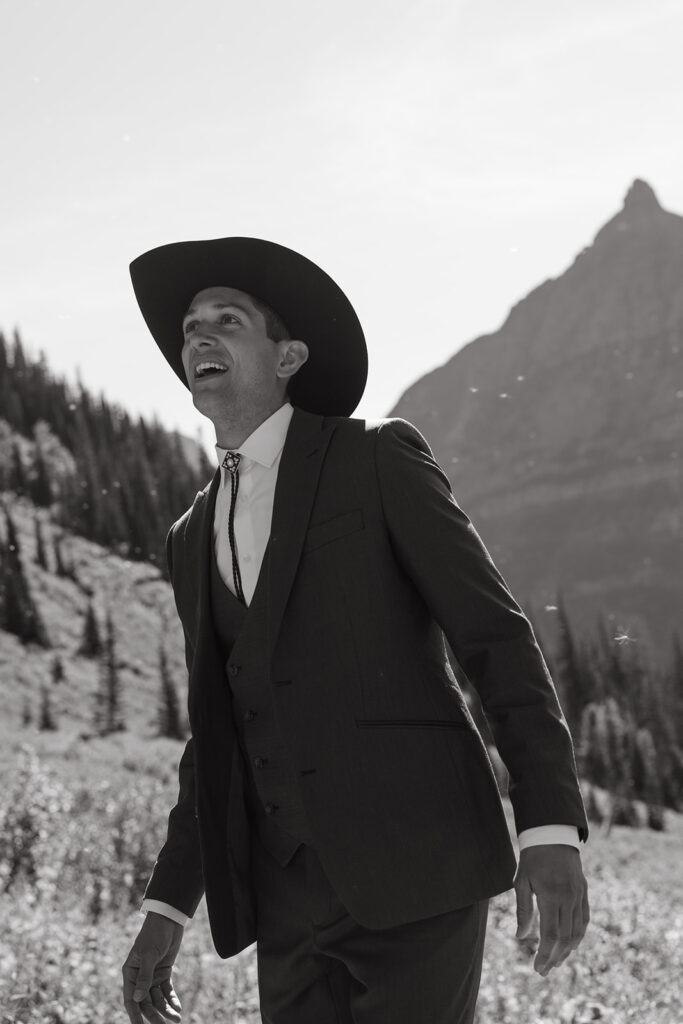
273 798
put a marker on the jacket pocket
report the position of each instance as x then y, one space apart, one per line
411 723
333 529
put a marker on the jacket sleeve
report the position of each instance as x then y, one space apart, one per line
441 552
177 877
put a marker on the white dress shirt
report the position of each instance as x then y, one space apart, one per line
261 453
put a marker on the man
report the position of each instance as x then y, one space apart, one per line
336 803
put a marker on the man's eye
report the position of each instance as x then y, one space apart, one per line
190 323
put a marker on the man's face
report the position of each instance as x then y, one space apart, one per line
223 326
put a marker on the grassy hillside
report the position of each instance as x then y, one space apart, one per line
82 825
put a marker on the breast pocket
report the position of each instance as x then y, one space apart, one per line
334 529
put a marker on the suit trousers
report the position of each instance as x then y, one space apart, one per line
317 965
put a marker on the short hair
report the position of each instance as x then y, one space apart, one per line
276 328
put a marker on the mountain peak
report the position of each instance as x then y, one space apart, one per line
641 198
641 210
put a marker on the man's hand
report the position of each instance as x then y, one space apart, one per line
554 873
147 987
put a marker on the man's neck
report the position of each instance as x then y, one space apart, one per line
231 435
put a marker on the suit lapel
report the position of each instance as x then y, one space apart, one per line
297 480
302 457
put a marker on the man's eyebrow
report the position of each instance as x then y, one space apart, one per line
222 305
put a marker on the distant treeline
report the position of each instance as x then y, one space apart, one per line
117 482
625 715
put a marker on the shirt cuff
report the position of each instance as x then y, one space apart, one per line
165 910
543 835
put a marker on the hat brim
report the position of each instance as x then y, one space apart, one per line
312 305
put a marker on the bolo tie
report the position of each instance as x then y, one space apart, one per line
231 462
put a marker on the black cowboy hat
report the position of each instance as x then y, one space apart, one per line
314 308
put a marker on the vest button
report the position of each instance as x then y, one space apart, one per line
270 808
248 715
234 669
260 761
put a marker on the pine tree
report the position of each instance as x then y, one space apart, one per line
63 567
13 544
41 557
573 675
91 644
674 688
108 711
639 690
19 613
26 717
11 609
620 735
18 355
646 778
620 743
18 480
593 659
40 488
57 670
60 568
169 717
615 672
46 720
593 752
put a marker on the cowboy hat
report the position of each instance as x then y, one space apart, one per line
314 308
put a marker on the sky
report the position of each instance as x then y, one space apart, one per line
438 159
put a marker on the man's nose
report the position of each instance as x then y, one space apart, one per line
200 337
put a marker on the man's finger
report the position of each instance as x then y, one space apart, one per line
171 994
143 981
575 933
563 950
150 1012
139 1012
133 1011
162 1005
549 914
525 907
130 973
580 922
580 919
567 939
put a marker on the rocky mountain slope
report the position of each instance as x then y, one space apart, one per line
562 432
144 617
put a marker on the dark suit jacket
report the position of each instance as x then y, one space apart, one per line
370 562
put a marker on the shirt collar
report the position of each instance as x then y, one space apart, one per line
266 442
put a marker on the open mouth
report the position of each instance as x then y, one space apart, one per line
203 371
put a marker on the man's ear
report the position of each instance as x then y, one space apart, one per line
293 355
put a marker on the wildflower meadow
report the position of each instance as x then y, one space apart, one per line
79 834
